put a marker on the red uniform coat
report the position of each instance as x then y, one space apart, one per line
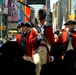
63 38
49 34
58 39
30 41
74 39
18 38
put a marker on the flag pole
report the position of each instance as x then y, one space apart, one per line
44 38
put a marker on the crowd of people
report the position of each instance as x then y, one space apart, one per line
40 51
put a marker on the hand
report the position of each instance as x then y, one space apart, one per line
40 35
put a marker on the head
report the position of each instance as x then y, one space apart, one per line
12 49
9 36
71 24
28 29
71 27
44 7
57 50
23 27
41 16
70 58
26 26
29 26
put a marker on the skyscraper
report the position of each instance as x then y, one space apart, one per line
63 10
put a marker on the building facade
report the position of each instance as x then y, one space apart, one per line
61 11
73 9
36 2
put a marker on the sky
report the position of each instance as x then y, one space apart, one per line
52 2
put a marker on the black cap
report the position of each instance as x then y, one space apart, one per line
70 22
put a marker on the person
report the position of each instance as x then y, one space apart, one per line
21 37
71 33
41 54
9 36
70 61
12 61
57 65
30 39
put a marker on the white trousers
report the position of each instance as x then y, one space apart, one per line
40 58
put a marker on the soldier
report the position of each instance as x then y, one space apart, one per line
29 40
71 33
41 54
20 38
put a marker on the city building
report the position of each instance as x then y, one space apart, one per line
61 11
36 2
73 9
55 15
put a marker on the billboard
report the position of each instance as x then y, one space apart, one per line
12 11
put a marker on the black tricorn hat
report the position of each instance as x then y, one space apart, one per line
28 24
70 22
19 25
